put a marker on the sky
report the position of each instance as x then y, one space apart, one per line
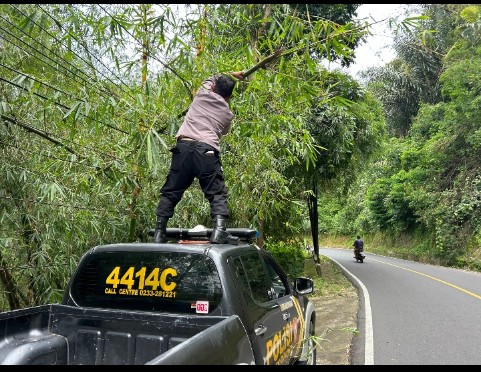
377 50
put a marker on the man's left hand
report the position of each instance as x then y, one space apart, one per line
238 75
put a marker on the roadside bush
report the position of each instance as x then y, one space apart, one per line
290 256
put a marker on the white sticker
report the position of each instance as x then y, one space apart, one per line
202 307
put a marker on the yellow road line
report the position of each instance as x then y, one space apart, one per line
431 277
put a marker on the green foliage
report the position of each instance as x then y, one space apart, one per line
389 203
427 184
347 128
93 95
377 195
412 78
340 14
290 256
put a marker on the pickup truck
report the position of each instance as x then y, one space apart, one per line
185 301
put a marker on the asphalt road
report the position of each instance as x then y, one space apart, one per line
412 313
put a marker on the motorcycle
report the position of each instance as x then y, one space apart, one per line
359 255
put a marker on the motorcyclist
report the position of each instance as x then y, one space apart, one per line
358 245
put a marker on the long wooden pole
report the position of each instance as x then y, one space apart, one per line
262 63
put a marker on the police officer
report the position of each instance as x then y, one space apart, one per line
197 155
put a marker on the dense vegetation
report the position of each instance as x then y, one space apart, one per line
91 96
421 197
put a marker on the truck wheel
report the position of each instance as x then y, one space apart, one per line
312 342
311 346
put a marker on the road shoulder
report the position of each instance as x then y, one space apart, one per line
337 305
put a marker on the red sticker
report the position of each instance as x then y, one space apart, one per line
202 307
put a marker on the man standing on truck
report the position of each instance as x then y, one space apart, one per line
197 155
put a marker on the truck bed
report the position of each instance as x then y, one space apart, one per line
62 334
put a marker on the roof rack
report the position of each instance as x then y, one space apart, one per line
203 233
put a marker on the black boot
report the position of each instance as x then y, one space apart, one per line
220 234
160 228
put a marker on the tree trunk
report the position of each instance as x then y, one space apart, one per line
314 219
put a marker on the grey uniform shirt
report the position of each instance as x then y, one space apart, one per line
208 118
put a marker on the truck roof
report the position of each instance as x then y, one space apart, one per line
183 239
201 234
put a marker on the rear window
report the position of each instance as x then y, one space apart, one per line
172 282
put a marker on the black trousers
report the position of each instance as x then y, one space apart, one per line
190 160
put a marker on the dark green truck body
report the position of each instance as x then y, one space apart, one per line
182 302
